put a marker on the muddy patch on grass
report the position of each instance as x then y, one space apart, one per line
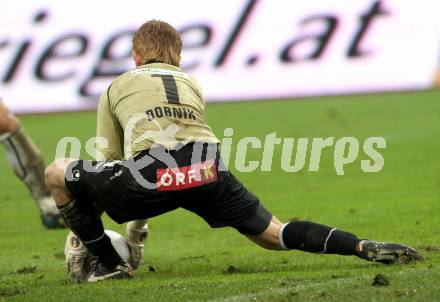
431 249
231 270
287 282
10 292
380 280
26 270
405 292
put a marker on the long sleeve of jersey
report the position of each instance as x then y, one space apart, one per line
108 127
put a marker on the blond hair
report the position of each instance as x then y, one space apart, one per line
157 41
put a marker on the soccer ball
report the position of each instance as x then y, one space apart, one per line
119 243
79 260
74 244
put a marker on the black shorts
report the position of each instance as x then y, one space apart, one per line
198 185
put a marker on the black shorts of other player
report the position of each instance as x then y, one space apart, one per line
215 195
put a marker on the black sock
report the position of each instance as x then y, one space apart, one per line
82 219
103 248
317 238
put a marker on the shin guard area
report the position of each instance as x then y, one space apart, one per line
317 238
82 219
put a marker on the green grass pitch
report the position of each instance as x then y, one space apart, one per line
185 260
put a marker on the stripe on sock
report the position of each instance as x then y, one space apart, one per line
5 136
94 240
280 236
17 156
326 240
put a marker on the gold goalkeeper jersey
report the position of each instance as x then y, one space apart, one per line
153 104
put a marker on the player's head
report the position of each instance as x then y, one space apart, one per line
157 41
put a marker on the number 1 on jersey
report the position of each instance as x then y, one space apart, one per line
170 86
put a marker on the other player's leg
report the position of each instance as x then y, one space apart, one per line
82 218
27 163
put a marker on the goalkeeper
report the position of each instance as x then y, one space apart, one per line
154 114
